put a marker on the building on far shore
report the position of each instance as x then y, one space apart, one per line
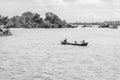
97 23
112 22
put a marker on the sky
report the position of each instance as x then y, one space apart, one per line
70 10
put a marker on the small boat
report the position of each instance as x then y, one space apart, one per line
66 43
86 26
74 26
104 26
5 33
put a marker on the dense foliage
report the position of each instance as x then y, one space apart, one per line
3 20
34 20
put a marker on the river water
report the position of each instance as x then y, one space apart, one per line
36 54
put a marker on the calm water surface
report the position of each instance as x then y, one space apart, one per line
36 54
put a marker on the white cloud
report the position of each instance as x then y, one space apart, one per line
94 2
71 10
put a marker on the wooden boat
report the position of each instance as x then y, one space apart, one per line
104 26
66 43
5 33
74 26
86 26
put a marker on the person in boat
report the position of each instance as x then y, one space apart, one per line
1 30
83 42
65 40
6 31
75 42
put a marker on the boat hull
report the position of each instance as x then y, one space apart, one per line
63 43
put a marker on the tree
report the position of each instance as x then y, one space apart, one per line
37 18
34 20
52 18
55 20
3 20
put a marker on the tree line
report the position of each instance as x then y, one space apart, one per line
34 20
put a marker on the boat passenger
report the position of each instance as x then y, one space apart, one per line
65 40
1 30
6 31
83 42
75 42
